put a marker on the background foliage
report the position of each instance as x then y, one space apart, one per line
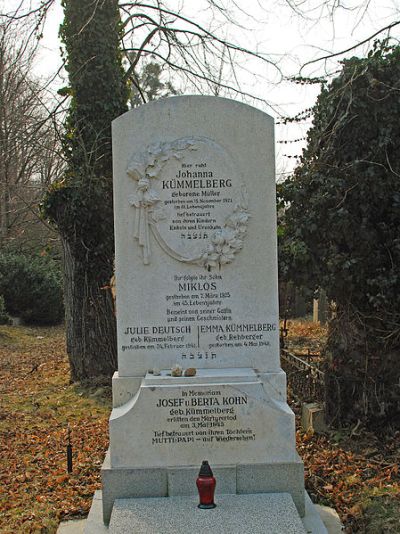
31 288
340 230
29 144
147 84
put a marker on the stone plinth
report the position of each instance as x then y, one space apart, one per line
235 418
225 415
248 514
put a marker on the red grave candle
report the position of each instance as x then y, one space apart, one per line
206 486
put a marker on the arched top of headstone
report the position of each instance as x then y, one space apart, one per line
193 101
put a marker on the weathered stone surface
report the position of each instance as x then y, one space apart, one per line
313 417
182 480
132 483
248 514
219 414
196 268
94 523
274 477
317 520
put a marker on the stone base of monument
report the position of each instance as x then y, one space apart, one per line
236 418
261 513
181 481
162 427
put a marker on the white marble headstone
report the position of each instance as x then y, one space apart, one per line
196 285
196 268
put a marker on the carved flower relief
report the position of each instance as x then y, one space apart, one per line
156 162
159 154
145 196
145 167
238 219
227 241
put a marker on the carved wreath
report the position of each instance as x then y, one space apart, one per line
225 243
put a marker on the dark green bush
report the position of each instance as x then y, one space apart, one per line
340 231
31 287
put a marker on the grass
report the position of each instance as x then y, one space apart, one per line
380 512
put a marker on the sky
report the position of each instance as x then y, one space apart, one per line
280 32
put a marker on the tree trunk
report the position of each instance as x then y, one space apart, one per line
3 213
81 205
90 320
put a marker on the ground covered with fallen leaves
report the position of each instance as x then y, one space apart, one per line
353 471
304 338
357 476
38 405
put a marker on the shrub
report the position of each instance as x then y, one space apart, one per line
342 233
31 287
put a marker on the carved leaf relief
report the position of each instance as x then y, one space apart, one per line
155 204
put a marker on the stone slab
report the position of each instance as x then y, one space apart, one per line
228 375
195 212
75 526
125 387
313 520
94 523
318 520
313 417
248 514
330 518
242 479
130 483
274 478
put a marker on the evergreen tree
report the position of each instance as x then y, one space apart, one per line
341 231
147 85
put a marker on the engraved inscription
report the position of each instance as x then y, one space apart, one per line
189 196
203 416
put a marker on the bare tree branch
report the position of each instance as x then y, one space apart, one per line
351 48
29 143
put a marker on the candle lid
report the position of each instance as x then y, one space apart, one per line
205 470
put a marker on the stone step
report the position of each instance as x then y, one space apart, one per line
318 520
273 513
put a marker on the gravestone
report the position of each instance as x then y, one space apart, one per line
321 308
196 288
